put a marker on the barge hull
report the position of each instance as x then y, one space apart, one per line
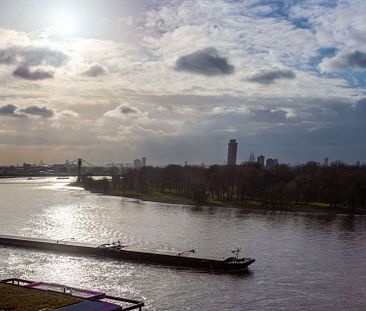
123 254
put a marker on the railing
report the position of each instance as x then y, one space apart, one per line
137 304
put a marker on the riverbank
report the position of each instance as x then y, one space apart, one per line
174 198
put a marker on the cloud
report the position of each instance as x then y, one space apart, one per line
8 56
357 60
36 56
68 114
8 110
360 108
270 76
27 57
247 115
269 115
127 109
354 61
337 24
42 112
32 56
25 73
14 111
95 71
206 62
11 110
126 112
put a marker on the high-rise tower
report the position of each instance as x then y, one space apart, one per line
260 160
231 152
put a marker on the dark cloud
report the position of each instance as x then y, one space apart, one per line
299 138
356 59
360 108
95 71
343 61
341 111
14 111
8 56
43 56
8 109
269 77
25 73
205 62
43 112
126 109
269 116
33 56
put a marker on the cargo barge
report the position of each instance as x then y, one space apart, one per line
131 253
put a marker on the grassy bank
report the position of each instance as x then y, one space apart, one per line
156 196
150 195
19 299
176 198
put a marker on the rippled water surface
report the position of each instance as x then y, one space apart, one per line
303 261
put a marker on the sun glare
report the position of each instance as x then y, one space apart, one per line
64 24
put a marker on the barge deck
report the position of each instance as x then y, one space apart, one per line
131 253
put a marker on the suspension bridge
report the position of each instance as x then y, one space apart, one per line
80 163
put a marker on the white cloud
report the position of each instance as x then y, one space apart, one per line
341 26
126 112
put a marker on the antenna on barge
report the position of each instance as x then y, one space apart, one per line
187 252
236 253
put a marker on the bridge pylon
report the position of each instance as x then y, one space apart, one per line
80 162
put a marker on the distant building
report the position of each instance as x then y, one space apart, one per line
232 152
270 163
137 163
326 162
27 166
251 158
338 163
260 160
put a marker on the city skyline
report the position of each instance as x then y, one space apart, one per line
241 159
110 80
233 157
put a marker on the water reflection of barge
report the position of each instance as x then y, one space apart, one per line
132 253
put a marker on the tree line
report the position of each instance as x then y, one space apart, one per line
338 185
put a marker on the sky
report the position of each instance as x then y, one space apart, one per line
173 81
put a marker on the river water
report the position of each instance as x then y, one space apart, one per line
303 261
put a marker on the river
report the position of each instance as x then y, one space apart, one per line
303 261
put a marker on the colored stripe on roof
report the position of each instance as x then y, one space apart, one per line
91 306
